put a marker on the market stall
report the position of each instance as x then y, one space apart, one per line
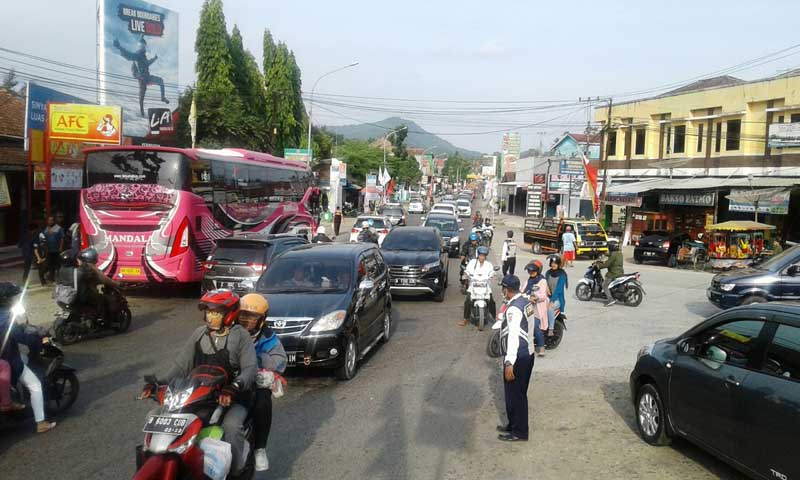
736 243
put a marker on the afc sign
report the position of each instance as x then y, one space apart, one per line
80 123
70 123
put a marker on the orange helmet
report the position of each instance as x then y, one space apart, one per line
221 299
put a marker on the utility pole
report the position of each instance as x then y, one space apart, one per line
605 161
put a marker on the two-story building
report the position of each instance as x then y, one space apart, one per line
690 153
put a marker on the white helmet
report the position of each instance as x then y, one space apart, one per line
320 230
365 224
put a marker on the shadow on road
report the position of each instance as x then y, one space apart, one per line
392 436
703 309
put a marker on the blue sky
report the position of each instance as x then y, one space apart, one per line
460 50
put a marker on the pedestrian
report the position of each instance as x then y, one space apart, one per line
517 363
509 254
324 200
776 247
337 221
536 289
54 236
40 254
27 244
568 246
75 238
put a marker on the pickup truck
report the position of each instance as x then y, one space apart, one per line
544 235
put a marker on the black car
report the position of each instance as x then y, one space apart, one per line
329 304
417 261
395 214
663 247
449 230
778 278
237 262
731 385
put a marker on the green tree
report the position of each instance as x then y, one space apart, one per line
457 167
402 166
280 118
361 158
183 132
270 50
249 84
298 107
219 107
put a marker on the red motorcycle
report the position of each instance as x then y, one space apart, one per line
189 414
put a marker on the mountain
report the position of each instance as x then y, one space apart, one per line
417 136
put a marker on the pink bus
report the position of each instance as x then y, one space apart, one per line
154 213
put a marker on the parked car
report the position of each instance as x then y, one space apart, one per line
663 247
444 208
775 279
417 260
464 207
730 385
379 223
449 230
237 262
395 214
329 304
448 197
544 235
416 205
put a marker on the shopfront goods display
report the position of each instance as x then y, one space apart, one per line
736 243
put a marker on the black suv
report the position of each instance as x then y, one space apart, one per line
731 385
778 278
417 261
237 262
449 229
663 246
329 304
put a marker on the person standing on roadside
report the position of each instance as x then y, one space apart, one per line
28 244
324 200
518 361
568 241
509 254
54 236
337 221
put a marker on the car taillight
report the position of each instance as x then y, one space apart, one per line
84 239
384 231
208 265
258 267
665 244
181 243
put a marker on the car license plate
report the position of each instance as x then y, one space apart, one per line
226 285
169 425
649 254
404 281
291 358
130 271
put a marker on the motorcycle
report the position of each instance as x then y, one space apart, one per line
626 289
479 293
183 439
76 321
498 342
349 210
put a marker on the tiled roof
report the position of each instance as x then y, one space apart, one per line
12 114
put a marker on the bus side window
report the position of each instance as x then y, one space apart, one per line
201 181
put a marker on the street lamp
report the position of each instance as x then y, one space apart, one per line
311 102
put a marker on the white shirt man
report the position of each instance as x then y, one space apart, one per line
476 268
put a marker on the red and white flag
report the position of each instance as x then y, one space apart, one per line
591 179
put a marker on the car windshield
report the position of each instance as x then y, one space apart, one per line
298 274
411 240
590 229
463 203
239 251
374 222
443 224
781 260
393 211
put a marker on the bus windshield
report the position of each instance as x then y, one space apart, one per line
167 169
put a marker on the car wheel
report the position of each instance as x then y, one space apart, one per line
651 420
350 366
387 324
439 297
753 299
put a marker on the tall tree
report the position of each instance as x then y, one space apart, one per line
270 50
218 105
280 118
298 107
361 158
456 167
249 85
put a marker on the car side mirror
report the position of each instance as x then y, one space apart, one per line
422 218
366 285
687 347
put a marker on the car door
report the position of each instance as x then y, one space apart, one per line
382 284
705 381
771 403
361 310
790 282
371 307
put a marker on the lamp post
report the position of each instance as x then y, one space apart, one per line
311 103
384 153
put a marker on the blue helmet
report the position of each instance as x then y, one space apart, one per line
483 251
473 237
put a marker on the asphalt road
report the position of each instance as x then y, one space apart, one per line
422 406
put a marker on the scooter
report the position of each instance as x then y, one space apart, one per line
626 289
74 322
349 210
479 294
184 439
498 342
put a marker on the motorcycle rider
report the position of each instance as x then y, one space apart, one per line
477 220
271 361
89 278
222 343
469 250
483 268
615 270
366 235
320 237
536 289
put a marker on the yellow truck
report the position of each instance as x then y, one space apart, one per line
544 235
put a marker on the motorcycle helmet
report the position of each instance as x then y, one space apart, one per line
68 258
88 256
534 266
473 237
224 300
510 234
253 313
613 246
483 251
320 231
365 224
554 259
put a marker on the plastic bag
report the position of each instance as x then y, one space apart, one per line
264 378
278 386
217 458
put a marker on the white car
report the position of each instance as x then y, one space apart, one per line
380 224
416 206
464 208
444 208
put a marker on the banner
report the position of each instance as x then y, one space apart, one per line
571 166
591 180
36 108
775 204
784 135
688 199
84 123
138 65
60 178
297 154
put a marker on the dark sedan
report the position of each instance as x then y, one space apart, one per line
730 385
329 304
417 261
662 247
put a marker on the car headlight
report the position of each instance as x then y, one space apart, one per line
727 287
430 266
330 321
454 240
646 350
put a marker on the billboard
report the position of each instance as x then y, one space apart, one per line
298 154
138 65
776 203
784 135
84 123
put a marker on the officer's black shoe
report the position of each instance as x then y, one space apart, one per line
510 437
504 428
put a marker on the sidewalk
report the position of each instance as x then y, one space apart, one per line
10 256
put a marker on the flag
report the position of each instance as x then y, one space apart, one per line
193 118
591 179
390 188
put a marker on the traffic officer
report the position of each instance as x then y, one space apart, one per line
518 361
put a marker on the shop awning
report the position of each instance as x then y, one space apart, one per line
701 183
739 226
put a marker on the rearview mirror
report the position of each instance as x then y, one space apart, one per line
366 285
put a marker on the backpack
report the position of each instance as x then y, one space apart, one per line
66 294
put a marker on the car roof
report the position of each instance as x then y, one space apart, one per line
445 205
375 217
397 231
330 249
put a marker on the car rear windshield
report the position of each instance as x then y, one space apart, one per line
307 274
464 203
240 251
167 169
374 222
443 224
411 240
394 211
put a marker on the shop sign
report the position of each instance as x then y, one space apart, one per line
85 123
688 199
571 166
342 173
5 197
784 135
372 180
561 184
539 179
775 204
60 178
624 199
297 154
